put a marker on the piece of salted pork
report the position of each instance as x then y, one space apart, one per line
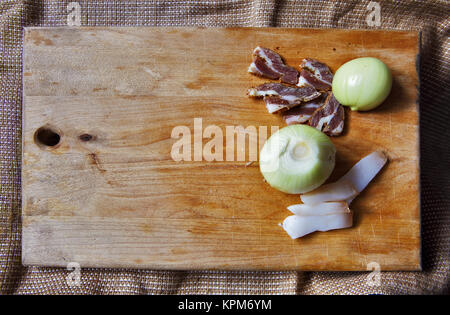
327 207
267 63
316 74
329 118
302 113
298 225
281 97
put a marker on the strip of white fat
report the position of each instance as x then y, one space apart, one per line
362 173
297 226
302 82
316 71
273 108
324 208
252 68
324 120
298 118
339 128
290 98
338 191
311 105
255 92
359 176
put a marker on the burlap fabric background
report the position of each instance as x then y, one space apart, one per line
431 17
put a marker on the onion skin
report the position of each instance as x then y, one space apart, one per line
297 159
362 83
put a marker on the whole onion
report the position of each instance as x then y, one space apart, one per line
362 83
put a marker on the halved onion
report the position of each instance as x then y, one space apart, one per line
325 208
341 190
359 176
297 159
297 226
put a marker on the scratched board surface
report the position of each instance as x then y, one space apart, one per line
100 186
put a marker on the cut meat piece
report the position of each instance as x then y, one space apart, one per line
315 74
319 69
309 79
329 118
277 103
303 112
260 67
290 94
269 64
280 97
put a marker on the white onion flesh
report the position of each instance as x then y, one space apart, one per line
325 208
297 226
341 190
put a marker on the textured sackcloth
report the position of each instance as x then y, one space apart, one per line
431 17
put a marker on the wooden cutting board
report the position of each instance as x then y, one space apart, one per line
101 188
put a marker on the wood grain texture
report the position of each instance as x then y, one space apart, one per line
118 199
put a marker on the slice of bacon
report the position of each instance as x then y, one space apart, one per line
315 74
329 118
269 64
281 97
302 113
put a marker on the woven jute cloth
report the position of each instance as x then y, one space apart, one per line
432 18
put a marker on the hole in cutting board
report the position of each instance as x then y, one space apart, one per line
47 137
85 137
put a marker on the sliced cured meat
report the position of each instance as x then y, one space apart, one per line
281 97
277 103
291 94
315 74
269 64
303 112
307 78
261 68
329 118
319 69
